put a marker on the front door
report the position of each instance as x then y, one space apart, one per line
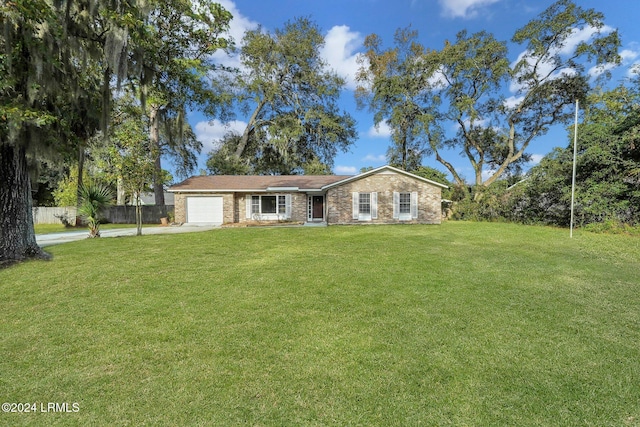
318 207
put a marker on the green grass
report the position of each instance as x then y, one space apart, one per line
459 324
59 228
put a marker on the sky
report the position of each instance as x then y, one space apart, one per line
345 24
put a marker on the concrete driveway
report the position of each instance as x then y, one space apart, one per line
71 236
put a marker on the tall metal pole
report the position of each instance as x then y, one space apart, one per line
573 179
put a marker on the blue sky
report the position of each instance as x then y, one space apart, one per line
346 23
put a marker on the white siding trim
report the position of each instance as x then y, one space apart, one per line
247 198
414 205
356 205
374 205
287 206
396 205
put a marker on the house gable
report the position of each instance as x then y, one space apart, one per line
385 187
383 170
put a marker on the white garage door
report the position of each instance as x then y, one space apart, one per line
204 209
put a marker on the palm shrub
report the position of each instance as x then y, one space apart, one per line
94 198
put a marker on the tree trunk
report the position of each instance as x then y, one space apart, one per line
138 215
81 157
478 192
120 192
404 150
450 168
154 136
247 131
17 235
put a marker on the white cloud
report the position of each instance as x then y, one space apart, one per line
210 132
375 158
438 80
583 35
383 130
597 70
478 123
237 27
339 50
513 101
633 70
463 8
240 23
545 68
487 173
345 170
578 36
536 158
627 57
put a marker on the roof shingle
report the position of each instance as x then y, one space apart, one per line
255 182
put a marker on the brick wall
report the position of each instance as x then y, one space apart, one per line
179 207
340 199
299 206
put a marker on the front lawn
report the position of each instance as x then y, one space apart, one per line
458 324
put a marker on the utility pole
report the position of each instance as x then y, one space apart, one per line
573 179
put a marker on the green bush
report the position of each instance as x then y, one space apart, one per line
490 204
612 226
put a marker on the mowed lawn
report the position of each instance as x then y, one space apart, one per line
470 324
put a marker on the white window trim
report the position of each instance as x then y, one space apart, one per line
268 216
396 204
413 214
365 216
355 206
404 216
356 215
310 217
374 205
414 205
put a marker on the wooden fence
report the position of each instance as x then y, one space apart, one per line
49 215
151 214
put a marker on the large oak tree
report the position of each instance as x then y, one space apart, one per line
392 83
57 67
290 97
52 65
465 83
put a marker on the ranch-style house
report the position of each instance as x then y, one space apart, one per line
379 196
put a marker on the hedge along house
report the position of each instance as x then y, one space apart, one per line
382 195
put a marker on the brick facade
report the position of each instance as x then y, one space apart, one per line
340 199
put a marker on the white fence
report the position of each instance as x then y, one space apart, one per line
54 215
